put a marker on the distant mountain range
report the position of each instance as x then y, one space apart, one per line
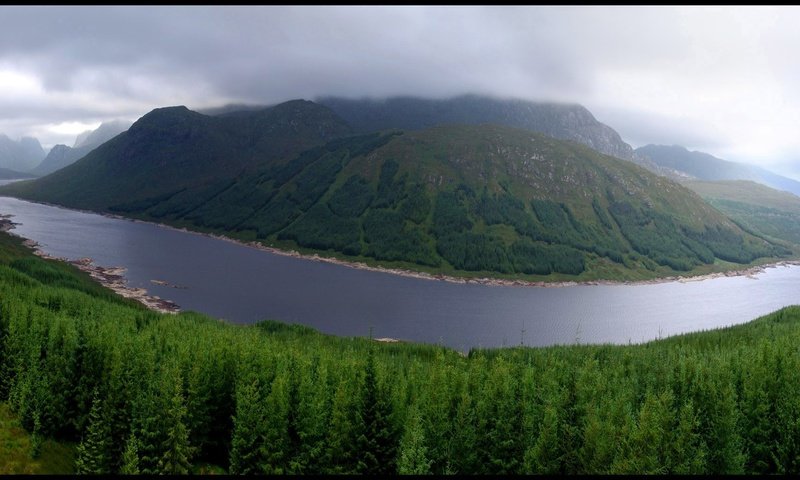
61 155
6 174
479 197
691 165
20 156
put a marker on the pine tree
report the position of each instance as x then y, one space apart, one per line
725 453
130 457
36 437
176 449
503 420
247 443
545 456
6 357
377 442
464 439
276 445
147 424
93 451
311 419
412 458
651 439
687 453
340 449
118 404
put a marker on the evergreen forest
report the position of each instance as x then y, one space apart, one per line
140 392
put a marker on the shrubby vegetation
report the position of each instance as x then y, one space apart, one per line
141 392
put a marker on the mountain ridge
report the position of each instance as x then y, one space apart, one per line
171 145
20 156
559 120
706 167
61 155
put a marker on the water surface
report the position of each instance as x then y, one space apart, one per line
244 285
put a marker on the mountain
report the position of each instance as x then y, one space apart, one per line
105 132
756 207
702 166
61 155
230 108
449 199
20 156
58 157
174 151
563 121
6 174
81 138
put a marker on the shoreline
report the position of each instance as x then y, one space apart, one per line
750 271
112 278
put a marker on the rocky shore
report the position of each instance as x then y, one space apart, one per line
111 277
114 278
6 224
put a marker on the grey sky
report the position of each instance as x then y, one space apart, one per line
717 79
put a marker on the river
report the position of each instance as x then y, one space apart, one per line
242 284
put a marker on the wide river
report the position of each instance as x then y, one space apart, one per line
244 285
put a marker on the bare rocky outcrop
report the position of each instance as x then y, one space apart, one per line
558 120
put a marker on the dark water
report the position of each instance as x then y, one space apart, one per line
244 285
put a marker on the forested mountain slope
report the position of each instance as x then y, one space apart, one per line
172 149
772 213
458 199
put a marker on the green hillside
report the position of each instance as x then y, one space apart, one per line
22 453
772 213
459 200
141 392
172 150
704 167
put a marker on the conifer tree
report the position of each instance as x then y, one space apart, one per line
725 453
687 455
377 442
176 449
147 425
276 445
412 458
130 457
545 456
465 455
340 449
311 419
249 424
93 450
651 439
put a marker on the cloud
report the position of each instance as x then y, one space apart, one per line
711 77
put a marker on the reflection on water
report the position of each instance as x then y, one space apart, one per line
245 285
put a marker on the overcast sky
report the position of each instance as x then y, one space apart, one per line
724 80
